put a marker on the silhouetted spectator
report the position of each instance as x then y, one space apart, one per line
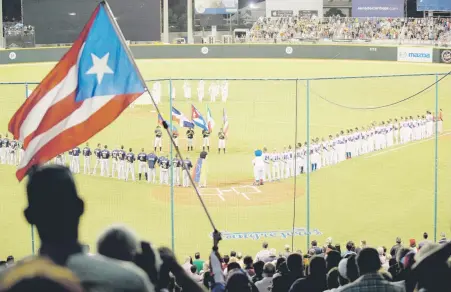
315 247
39 274
258 269
248 266
282 281
350 249
118 242
332 261
55 208
396 247
370 280
316 277
10 261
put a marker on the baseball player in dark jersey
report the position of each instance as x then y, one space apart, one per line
121 156
142 165
188 166
164 169
206 140
190 138
105 158
152 161
130 157
86 159
97 155
115 162
221 144
75 164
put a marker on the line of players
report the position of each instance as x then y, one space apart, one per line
348 144
123 164
11 151
215 89
190 139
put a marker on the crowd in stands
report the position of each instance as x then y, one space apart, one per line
17 28
123 263
349 28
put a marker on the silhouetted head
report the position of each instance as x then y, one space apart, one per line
53 204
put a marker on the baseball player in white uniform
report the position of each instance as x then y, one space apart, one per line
201 90
187 89
275 158
267 161
225 91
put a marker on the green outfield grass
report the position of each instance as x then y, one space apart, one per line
376 197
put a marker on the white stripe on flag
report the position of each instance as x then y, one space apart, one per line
58 93
88 108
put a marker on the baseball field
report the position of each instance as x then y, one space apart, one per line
375 197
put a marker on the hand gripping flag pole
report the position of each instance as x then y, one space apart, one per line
165 124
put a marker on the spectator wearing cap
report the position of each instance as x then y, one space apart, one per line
39 274
248 266
443 239
198 262
315 247
413 244
118 242
350 249
431 271
396 247
283 280
370 279
258 269
316 277
55 208
264 253
268 272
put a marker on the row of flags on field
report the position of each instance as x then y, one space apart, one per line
197 120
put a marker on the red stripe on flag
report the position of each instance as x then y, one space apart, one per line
54 78
54 115
80 133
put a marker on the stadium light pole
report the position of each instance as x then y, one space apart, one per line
166 21
189 17
1 25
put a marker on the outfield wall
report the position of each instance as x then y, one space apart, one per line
310 51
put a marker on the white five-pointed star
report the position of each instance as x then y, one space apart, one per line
100 67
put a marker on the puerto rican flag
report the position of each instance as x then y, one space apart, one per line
87 90
198 119
180 118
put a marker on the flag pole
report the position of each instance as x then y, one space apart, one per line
165 125
172 172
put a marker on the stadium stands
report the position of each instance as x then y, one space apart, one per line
143 268
410 30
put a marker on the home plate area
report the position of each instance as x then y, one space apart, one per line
244 191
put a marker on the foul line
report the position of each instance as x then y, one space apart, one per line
407 145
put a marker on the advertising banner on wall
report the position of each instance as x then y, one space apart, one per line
415 54
377 8
281 13
286 8
433 5
216 6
